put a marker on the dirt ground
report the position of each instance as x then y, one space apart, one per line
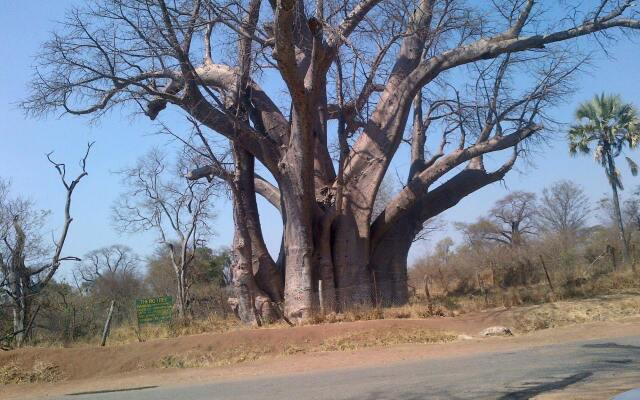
91 368
80 363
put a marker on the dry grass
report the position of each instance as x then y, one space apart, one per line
347 342
131 333
622 282
548 315
414 310
354 341
41 372
576 312
212 358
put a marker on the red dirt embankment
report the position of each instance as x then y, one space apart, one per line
282 350
88 362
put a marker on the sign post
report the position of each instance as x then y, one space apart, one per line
154 310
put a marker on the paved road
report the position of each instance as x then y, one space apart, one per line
509 375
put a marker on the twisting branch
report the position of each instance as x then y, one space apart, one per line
70 186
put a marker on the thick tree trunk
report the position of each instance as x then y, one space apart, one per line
267 276
298 245
19 286
243 281
21 310
389 263
324 264
20 314
298 198
254 305
351 259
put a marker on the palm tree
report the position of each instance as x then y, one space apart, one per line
609 124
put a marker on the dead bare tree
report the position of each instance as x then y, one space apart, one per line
112 260
564 209
27 264
382 59
179 211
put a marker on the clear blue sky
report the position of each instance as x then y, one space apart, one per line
120 139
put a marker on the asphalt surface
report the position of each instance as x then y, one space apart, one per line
505 375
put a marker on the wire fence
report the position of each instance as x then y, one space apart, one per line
518 281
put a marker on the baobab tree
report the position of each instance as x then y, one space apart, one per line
563 209
509 222
344 78
27 263
514 217
112 260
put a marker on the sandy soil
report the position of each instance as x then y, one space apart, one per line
123 366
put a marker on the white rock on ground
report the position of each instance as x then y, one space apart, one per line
497 331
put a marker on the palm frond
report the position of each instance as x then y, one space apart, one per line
610 124
633 167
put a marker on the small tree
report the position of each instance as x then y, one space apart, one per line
111 274
609 124
210 274
27 264
178 210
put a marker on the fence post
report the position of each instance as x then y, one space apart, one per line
320 297
483 292
428 293
107 324
375 290
612 252
633 258
546 273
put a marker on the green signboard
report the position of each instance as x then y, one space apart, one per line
154 310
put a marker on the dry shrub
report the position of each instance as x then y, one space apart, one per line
41 372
